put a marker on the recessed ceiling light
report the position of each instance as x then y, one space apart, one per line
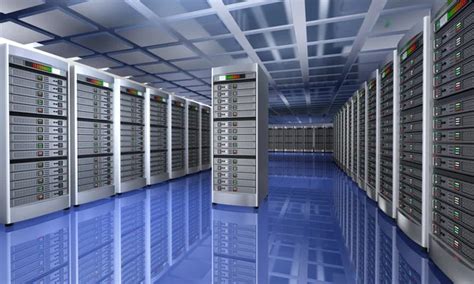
105 68
128 77
75 58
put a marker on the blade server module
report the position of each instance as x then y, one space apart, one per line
35 142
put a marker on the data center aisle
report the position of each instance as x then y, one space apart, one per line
315 227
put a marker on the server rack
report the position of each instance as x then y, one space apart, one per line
34 145
193 148
329 142
129 132
373 136
415 133
353 133
205 137
177 136
362 135
452 237
246 181
309 145
389 108
157 167
300 139
92 156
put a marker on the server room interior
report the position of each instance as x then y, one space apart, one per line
116 150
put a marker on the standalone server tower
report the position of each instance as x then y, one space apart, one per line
240 135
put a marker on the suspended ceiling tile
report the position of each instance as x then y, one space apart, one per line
102 42
99 61
200 88
175 76
382 42
155 68
164 85
334 8
188 83
125 71
211 47
166 8
9 6
173 52
264 16
141 35
109 13
21 34
133 57
398 22
202 73
146 79
201 27
193 64
59 22
65 49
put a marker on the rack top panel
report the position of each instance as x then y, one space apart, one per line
37 66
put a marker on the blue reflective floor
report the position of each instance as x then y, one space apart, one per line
315 227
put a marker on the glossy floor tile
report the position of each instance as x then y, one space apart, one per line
315 227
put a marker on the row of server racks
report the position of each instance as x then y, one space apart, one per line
301 139
406 137
72 134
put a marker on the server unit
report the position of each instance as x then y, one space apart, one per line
34 145
205 137
373 136
192 143
362 136
157 169
415 133
177 137
389 108
92 152
240 133
129 132
452 237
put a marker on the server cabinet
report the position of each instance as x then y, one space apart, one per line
157 167
452 237
415 133
205 137
362 135
300 139
290 138
281 139
177 137
329 139
343 134
193 147
373 136
92 154
34 145
129 132
353 142
308 139
389 108
240 171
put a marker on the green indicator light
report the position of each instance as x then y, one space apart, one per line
458 54
39 145
458 71
458 106
456 230
456 214
456 185
457 150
